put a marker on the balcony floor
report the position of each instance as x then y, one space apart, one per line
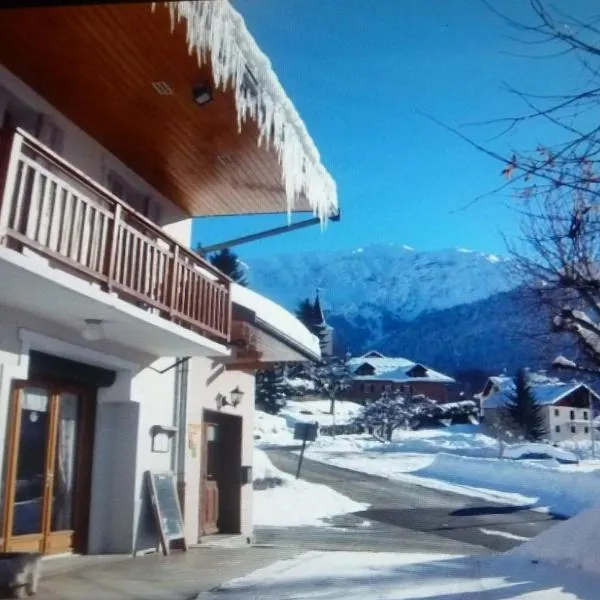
29 283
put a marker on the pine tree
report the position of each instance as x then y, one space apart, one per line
270 389
523 411
228 263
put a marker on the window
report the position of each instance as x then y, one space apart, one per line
586 430
572 415
557 429
585 414
134 198
573 429
556 412
367 388
388 387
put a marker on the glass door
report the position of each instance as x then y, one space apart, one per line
42 478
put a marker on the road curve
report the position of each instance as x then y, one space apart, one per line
404 517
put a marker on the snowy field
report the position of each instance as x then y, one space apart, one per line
391 576
278 430
293 502
459 459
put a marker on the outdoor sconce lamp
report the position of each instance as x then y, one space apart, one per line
202 94
161 437
235 396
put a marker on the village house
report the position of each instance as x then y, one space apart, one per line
373 374
122 351
566 407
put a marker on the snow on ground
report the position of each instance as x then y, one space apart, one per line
458 459
390 576
271 430
461 459
318 410
278 430
573 543
294 502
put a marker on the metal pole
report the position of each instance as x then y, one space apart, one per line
590 402
301 453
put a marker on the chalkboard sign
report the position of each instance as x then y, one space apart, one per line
166 508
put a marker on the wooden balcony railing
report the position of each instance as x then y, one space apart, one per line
52 208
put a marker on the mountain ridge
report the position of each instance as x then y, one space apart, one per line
451 309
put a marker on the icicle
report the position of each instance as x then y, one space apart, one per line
214 28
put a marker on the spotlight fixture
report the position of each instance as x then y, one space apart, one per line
202 94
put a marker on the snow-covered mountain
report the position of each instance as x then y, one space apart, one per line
358 283
453 309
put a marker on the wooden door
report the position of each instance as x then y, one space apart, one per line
209 500
48 469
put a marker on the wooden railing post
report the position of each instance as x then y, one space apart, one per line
111 251
11 146
173 279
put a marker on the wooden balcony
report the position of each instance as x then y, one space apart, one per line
52 209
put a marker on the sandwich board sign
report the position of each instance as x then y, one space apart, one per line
166 509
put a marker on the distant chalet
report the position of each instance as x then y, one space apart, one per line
373 374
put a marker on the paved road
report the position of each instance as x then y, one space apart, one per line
404 517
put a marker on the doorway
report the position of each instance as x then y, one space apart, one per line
47 476
220 481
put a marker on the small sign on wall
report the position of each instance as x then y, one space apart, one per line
161 437
194 432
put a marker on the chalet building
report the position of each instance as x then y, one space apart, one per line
566 407
121 350
373 374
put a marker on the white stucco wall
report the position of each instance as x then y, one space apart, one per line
579 422
141 397
552 420
207 379
89 156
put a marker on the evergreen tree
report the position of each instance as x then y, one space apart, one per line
270 389
523 411
228 263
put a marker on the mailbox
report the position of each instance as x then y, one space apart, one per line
306 431
246 474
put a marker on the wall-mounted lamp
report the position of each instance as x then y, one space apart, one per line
202 94
161 437
93 330
235 398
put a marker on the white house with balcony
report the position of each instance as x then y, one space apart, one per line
121 349
566 407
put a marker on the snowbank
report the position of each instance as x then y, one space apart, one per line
271 430
296 502
296 411
564 492
464 440
570 544
522 451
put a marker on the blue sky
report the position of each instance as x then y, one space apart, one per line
359 74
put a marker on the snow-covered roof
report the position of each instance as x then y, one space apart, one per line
217 32
393 369
546 394
501 380
277 318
